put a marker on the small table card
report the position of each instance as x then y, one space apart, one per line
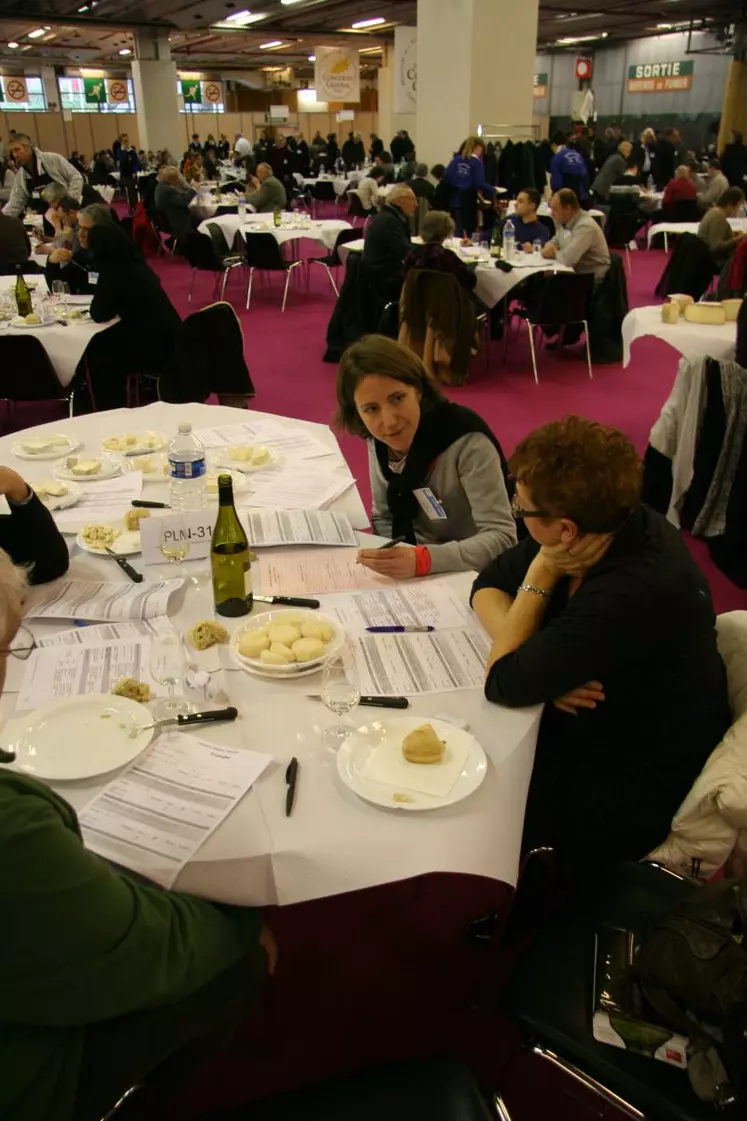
191 531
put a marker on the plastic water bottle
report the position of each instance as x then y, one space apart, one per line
509 241
188 471
650 183
322 171
537 247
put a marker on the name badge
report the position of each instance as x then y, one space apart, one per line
93 278
429 504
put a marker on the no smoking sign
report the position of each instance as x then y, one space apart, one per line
15 89
117 91
212 92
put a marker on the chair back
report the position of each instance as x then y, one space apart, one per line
620 229
218 238
208 358
437 322
548 223
263 252
231 187
22 399
689 270
356 209
342 238
564 298
684 210
324 191
160 221
200 252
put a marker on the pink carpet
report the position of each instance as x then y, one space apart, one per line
284 353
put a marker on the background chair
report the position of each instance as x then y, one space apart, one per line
333 259
263 252
550 998
438 323
620 231
356 209
689 270
209 359
322 191
560 300
30 391
210 254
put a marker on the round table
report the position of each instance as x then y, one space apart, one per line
686 228
333 842
692 340
324 231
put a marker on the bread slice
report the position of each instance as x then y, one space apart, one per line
423 746
207 633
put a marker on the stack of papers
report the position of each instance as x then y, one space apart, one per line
298 527
100 600
291 443
434 604
404 665
301 571
106 501
296 488
59 672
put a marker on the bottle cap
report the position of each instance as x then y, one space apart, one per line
185 426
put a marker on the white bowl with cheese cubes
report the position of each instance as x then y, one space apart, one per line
88 469
288 643
247 458
53 446
57 495
134 443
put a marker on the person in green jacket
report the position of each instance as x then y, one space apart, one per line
104 979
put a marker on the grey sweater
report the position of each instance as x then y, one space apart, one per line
468 482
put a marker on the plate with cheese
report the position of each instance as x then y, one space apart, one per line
134 443
122 537
57 495
53 446
88 469
408 763
248 457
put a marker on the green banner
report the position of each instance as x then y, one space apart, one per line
95 89
662 69
2 93
192 91
540 79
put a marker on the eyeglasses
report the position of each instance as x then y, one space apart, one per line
22 645
519 513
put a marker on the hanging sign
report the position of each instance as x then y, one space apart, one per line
336 74
405 69
540 85
212 92
191 91
117 92
584 68
15 89
661 77
95 90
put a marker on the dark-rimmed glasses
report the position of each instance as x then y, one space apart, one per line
519 513
22 645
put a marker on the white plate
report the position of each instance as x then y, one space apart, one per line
138 448
238 478
223 459
54 453
21 324
293 669
73 496
110 468
356 750
126 545
64 740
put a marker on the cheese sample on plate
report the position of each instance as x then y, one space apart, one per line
84 467
713 314
50 488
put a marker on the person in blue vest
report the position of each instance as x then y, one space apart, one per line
568 168
465 178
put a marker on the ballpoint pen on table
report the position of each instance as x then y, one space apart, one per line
399 630
288 601
393 542
291 778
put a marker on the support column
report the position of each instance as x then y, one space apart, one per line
734 109
154 79
475 66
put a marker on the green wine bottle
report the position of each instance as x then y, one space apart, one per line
229 557
22 293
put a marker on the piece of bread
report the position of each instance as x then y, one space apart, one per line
423 746
241 453
253 644
272 658
133 518
135 690
284 632
710 313
308 649
313 628
207 633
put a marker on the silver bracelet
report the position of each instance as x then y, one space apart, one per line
535 591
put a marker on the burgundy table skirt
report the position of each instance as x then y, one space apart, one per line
373 976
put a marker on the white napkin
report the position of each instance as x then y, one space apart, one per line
387 764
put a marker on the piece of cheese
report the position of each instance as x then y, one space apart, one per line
86 467
732 308
705 313
133 518
51 488
36 447
682 300
670 313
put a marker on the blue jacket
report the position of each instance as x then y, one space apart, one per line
567 161
462 174
129 163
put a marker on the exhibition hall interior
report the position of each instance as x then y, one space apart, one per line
373 560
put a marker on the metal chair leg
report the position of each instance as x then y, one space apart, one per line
609 1096
666 242
191 286
627 261
225 281
500 1108
531 350
249 288
332 281
588 349
285 290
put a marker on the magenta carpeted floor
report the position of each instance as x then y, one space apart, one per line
284 353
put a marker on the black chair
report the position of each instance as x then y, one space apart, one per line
263 252
559 301
356 209
550 997
548 222
689 270
322 191
37 384
685 210
333 259
209 253
161 226
620 231
209 358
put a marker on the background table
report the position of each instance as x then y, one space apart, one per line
334 842
325 230
693 340
339 182
686 228
65 346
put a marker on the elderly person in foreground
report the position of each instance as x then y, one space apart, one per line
103 979
438 475
602 614
269 193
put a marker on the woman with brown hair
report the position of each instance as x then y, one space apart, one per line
438 475
602 611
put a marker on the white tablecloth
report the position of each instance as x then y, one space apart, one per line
333 842
64 345
693 340
107 193
340 182
687 228
325 231
492 283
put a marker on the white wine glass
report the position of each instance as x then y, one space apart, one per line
60 293
168 666
340 693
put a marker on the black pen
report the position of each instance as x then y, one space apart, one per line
291 778
393 542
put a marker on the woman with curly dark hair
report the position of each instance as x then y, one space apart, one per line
602 612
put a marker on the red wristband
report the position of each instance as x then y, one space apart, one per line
422 560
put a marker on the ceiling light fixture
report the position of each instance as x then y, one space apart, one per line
125 50
569 40
271 44
572 16
370 50
287 3
367 23
13 46
38 32
240 19
84 8
312 58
